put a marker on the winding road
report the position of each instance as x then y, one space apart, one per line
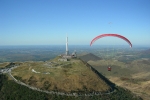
8 70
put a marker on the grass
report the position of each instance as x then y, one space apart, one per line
134 76
67 76
118 68
2 65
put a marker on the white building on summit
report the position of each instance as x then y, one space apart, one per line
67 56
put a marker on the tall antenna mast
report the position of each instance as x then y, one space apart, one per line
67 52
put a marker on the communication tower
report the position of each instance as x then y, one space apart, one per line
67 51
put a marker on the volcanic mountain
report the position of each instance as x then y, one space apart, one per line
63 76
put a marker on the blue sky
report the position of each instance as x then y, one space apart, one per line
46 22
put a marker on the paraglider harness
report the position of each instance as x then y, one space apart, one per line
109 68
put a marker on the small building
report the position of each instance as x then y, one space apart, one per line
74 55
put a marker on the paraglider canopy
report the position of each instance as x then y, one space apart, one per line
114 35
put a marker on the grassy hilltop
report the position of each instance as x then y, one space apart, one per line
72 75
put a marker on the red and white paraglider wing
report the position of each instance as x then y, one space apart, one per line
115 35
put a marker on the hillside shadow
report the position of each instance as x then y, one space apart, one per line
112 85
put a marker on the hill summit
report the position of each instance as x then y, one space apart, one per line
63 76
